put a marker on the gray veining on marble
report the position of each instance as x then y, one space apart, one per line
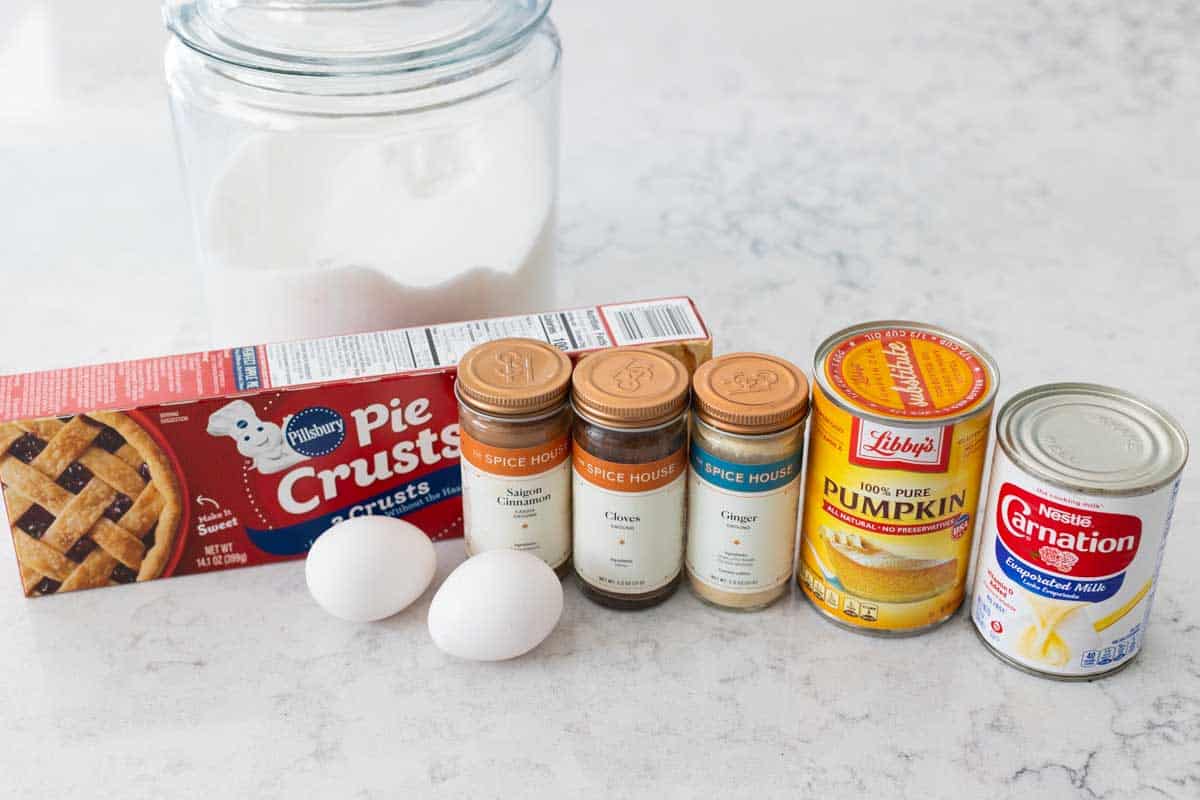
1026 173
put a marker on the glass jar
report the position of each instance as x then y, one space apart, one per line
366 164
744 484
516 474
629 463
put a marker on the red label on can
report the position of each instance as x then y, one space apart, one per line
1066 540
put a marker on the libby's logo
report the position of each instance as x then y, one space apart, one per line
760 381
630 377
914 449
1069 541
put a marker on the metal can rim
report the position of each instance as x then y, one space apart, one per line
823 350
1032 467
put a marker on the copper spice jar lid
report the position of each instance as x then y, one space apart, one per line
630 387
750 393
513 377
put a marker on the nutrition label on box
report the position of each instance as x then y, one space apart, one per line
367 355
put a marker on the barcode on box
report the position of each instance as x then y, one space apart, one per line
654 321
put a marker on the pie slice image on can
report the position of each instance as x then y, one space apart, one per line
1081 495
897 444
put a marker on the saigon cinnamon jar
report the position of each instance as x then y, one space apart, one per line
629 463
516 473
747 442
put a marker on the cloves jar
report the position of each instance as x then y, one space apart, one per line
749 412
516 474
630 486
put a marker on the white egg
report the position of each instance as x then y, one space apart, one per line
368 568
496 605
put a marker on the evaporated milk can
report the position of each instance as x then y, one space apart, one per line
1081 495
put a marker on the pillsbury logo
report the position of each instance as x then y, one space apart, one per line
315 431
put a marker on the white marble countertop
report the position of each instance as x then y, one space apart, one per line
1023 173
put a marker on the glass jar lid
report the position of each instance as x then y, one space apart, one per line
513 376
353 37
750 393
630 387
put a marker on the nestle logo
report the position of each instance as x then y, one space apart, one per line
1069 541
924 449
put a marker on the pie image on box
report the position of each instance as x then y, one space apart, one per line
872 572
92 501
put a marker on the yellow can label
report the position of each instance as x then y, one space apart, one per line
889 510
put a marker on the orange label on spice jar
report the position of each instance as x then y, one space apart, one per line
629 477
888 515
517 498
907 373
629 521
515 462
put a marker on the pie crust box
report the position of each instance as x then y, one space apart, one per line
130 471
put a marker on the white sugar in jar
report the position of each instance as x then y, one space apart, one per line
358 166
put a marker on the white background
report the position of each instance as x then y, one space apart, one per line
1026 173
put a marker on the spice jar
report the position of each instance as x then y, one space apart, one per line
744 484
516 424
629 457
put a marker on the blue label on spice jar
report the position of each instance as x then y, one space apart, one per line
744 477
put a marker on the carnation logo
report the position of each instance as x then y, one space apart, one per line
1068 541
923 449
